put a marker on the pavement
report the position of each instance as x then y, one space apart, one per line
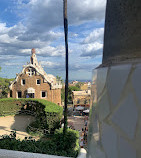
77 122
18 123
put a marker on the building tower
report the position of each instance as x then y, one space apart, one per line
33 58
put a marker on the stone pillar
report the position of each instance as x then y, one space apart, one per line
115 114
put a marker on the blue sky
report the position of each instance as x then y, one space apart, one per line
27 24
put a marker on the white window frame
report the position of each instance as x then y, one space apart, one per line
37 80
22 82
45 94
17 94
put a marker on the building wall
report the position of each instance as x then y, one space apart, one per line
115 120
82 99
53 95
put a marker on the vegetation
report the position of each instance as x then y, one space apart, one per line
59 79
71 88
79 84
48 114
4 86
57 145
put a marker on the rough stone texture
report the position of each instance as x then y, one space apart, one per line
116 132
53 95
81 98
30 73
122 30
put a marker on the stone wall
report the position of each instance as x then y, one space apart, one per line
53 95
115 115
83 99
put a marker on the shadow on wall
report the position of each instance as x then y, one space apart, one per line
21 122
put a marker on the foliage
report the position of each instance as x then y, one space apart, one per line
4 86
69 142
63 94
59 79
70 89
79 84
57 145
48 114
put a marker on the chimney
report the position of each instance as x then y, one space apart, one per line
33 51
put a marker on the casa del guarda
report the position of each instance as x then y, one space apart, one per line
34 82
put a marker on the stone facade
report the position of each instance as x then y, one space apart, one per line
81 98
33 82
115 126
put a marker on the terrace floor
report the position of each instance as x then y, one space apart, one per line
17 122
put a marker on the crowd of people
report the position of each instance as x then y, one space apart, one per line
84 133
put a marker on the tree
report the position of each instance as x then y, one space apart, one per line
4 86
58 78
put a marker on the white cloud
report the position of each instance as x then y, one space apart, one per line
12 64
92 45
44 15
50 64
41 27
92 49
95 36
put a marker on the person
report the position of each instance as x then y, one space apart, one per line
27 96
86 122
85 118
82 140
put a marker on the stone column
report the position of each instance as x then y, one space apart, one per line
115 115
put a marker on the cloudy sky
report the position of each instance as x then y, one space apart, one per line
26 24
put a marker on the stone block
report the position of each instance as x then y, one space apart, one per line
125 149
103 106
101 80
109 141
136 81
126 116
117 78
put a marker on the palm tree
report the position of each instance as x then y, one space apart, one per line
66 48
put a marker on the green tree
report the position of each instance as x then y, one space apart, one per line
58 78
79 84
4 87
70 89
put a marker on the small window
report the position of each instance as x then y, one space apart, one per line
11 93
38 81
23 82
19 94
44 94
78 101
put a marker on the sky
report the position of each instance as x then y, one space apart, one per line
27 24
